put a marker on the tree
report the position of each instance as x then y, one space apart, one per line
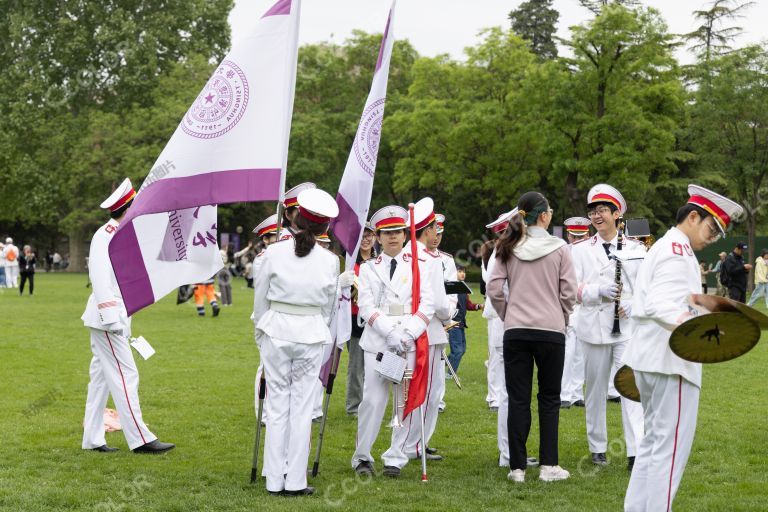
730 131
65 65
711 38
535 21
597 6
610 113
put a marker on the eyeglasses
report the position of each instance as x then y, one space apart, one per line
714 232
368 236
600 210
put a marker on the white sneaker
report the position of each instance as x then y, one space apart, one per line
516 475
553 473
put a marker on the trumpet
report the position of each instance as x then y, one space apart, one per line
399 398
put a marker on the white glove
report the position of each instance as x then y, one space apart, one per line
393 340
408 341
346 278
625 309
608 291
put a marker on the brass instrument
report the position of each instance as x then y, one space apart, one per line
399 398
616 331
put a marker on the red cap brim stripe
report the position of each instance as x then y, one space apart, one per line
577 229
391 222
268 229
313 216
605 198
123 200
290 202
500 227
720 216
426 221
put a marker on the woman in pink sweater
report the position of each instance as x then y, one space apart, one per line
532 287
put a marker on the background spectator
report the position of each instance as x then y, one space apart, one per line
735 272
761 279
27 263
11 254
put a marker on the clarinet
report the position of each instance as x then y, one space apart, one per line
616 331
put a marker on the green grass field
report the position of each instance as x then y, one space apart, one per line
197 391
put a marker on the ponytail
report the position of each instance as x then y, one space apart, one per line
530 206
304 238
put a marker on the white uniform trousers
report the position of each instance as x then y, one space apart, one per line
599 360
291 371
572 385
495 362
502 433
371 410
406 441
671 405
264 419
317 399
12 276
113 371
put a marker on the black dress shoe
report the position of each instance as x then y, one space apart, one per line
276 493
216 311
364 468
616 399
391 471
565 404
155 446
630 463
578 403
307 491
104 448
599 459
431 451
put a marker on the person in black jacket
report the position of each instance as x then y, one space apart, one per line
456 335
27 262
736 272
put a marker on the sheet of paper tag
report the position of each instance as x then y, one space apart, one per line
143 347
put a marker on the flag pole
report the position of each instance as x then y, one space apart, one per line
261 393
326 403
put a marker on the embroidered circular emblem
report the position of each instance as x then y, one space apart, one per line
220 105
366 144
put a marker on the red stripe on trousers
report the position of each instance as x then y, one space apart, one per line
125 390
674 449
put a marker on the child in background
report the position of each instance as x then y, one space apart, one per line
456 336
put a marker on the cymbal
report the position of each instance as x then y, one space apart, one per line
715 303
624 382
715 337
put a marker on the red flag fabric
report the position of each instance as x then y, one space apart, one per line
417 392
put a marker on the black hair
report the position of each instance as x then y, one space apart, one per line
532 204
305 236
420 231
120 211
685 210
486 250
286 222
460 267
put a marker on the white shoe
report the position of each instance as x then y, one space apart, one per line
553 473
516 475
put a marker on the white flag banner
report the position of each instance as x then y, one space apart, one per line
231 146
356 187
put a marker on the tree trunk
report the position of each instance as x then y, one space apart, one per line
575 201
751 250
76 251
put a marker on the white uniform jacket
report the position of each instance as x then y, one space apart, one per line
384 304
574 318
450 274
489 312
105 309
593 269
668 276
294 297
445 305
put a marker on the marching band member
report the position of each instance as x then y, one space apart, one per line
572 386
295 293
384 303
538 272
406 442
495 365
669 386
291 210
596 274
113 370
449 274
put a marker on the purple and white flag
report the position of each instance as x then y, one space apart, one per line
231 146
356 187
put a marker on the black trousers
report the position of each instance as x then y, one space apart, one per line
737 294
24 277
519 357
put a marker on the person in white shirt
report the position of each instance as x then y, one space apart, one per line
294 296
384 304
595 264
113 370
11 257
670 386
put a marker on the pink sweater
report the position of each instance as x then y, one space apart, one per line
542 284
